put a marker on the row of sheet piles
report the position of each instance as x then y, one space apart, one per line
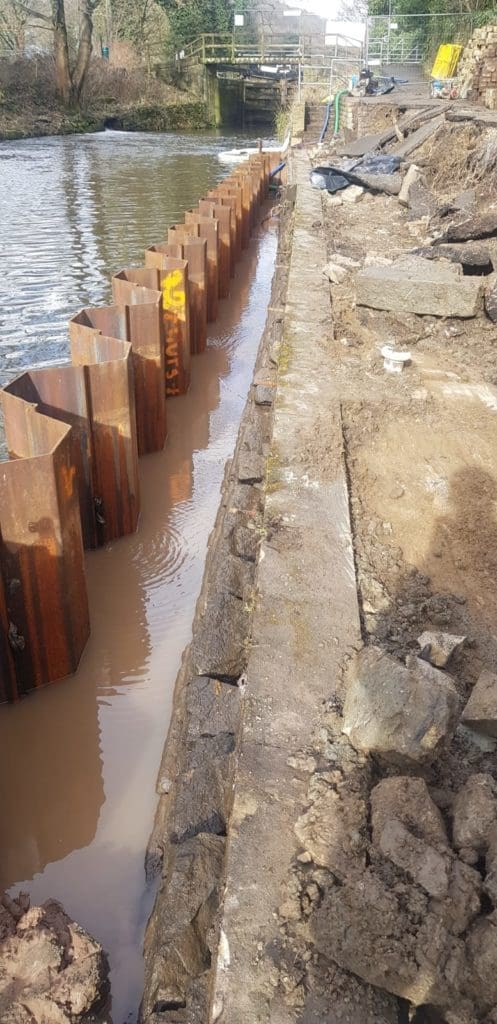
75 432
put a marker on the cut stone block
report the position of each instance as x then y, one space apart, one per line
412 285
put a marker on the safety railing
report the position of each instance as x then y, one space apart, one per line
230 48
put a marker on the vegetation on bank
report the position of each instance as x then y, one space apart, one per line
130 100
80 65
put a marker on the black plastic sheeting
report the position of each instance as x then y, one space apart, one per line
334 179
329 179
378 165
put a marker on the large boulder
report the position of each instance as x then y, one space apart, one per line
403 713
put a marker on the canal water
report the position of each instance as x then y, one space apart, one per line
78 760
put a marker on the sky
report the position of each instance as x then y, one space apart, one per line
325 8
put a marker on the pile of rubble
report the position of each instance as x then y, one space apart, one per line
406 897
477 71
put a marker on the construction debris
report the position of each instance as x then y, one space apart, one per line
393 361
413 175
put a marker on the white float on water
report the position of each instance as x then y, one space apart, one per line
235 156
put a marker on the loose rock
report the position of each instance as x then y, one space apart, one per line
491 303
352 194
480 712
405 713
51 969
407 800
335 273
475 814
438 648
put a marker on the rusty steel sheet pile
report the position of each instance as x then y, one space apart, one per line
147 336
221 214
75 432
41 559
174 281
208 229
183 244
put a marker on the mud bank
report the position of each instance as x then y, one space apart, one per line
187 849
173 117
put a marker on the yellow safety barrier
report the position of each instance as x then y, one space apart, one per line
446 60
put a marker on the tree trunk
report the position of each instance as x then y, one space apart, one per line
84 49
70 81
63 76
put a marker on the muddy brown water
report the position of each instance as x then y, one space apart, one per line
78 760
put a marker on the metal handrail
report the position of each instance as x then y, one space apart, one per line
219 46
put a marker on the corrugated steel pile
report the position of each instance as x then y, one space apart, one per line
75 432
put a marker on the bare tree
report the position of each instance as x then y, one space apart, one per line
69 74
13 22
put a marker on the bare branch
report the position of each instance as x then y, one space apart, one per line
32 13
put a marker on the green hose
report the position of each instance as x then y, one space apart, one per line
341 92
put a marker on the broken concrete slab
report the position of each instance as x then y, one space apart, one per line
438 648
423 863
390 184
480 712
218 648
422 201
192 897
367 928
404 713
251 468
211 707
264 394
410 285
345 261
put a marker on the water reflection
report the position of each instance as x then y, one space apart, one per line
73 210
78 761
